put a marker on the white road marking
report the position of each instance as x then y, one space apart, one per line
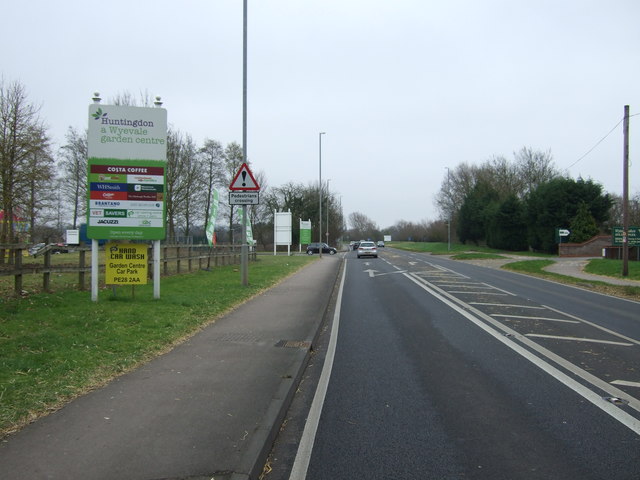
578 339
599 327
499 294
374 273
506 315
303 456
626 383
506 305
621 416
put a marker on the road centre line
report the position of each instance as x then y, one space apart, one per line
578 339
474 315
506 315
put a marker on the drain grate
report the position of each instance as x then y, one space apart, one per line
293 344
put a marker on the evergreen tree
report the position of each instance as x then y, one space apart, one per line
583 226
508 227
475 213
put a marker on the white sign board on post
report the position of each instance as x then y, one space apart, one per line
127 156
282 230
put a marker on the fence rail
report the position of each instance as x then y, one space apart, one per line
175 259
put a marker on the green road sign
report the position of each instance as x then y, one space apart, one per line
633 237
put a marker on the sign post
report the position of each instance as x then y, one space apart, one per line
561 232
127 155
305 233
244 190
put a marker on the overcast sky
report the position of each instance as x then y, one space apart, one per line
402 88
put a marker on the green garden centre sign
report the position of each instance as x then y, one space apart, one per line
305 232
633 237
127 150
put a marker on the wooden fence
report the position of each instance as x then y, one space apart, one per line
175 259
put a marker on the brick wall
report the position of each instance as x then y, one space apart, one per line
590 248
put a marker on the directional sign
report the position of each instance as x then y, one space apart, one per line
563 232
244 180
633 236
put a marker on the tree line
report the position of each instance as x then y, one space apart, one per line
43 192
518 205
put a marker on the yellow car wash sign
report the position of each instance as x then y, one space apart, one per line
126 264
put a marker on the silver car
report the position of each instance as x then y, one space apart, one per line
367 249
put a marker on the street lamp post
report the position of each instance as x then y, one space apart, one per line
328 198
449 213
320 192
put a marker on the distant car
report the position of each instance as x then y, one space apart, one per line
36 248
354 245
58 248
315 248
380 243
367 249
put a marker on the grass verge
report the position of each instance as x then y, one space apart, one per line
536 268
442 248
54 347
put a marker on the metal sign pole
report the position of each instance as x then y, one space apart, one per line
244 251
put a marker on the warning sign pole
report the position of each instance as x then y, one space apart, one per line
244 253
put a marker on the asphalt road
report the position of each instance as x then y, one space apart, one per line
445 370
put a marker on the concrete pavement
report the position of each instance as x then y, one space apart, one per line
209 409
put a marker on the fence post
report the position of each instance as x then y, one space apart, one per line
17 262
81 274
46 276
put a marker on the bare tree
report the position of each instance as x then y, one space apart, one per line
211 166
362 227
192 185
40 188
534 168
73 163
233 157
126 98
22 135
174 187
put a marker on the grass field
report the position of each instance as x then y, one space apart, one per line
56 346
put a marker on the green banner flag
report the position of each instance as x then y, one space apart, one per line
250 240
211 224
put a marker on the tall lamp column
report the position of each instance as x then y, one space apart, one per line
320 192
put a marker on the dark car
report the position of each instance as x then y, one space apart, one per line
315 248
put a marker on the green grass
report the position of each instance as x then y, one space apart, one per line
613 268
54 347
532 267
536 268
477 256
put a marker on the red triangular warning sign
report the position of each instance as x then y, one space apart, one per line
244 180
